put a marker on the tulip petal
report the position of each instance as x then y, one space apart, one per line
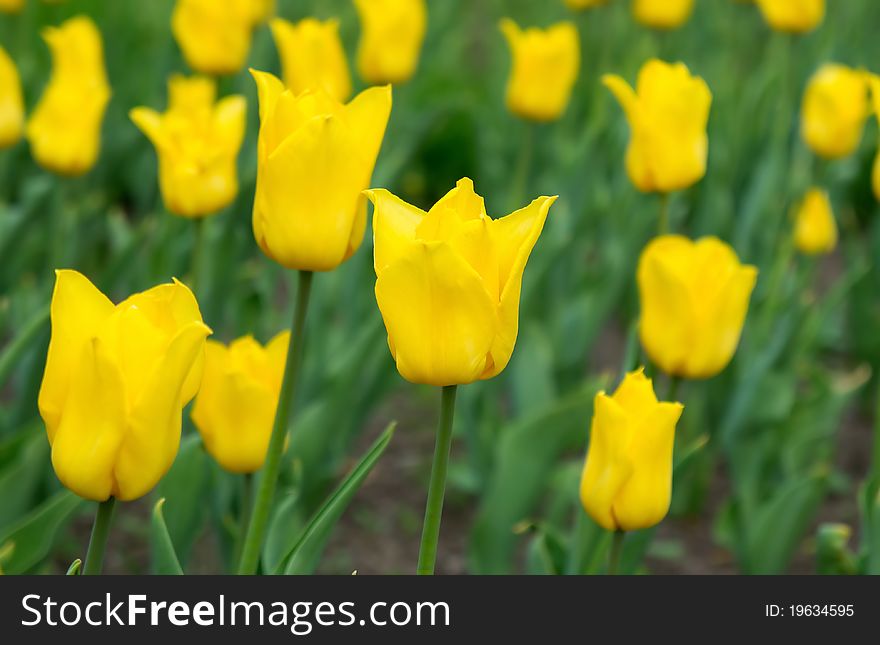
729 320
394 226
367 116
149 122
625 95
276 356
230 122
269 88
459 205
635 394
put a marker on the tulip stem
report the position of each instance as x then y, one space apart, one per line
98 542
198 259
523 167
244 513
616 550
672 393
269 478
437 487
663 221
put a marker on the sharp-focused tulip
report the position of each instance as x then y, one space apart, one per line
235 407
815 230
793 16
667 113
577 5
392 32
545 65
65 129
312 57
11 102
694 300
116 380
835 109
662 14
448 283
627 478
315 159
197 141
874 81
11 6
215 37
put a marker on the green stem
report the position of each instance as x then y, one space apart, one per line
616 550
672 393
253 542
437 487
198 257
523 168
244 513
784 257
98 542
663 221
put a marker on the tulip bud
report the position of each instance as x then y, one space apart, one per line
448 283
65 129
663 14
815 230
11 102
115 384
668 113
627 478
11 6
392 32
544 69
577 5
793 16
214 37
694 299
835 109
312 57
197 141
235 407
315 157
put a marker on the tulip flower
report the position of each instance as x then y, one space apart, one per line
215 37
315 158
662 14
627 478
11 102
392 32
815 230
694 299
65 129
448 283
544 69
577 5
835 109
236 404
312 57
667 113
793 16
197 141
261 11
11 6
116 380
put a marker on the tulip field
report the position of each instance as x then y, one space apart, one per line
439 286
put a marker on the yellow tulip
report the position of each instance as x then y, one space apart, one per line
667 113
262 10
794 16
197 141
11 102
815 230
116 381
215 37
315 159
627 478
235 407
694 300
65 129
312 57
448 282
577 5
835 109
11 6
874 82
544 68
662 14
391 39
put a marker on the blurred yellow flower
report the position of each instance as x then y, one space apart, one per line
235 407
694 300
392 32
795 16
544 68
662 14
197 141
667 113
262 10
815 230
115 384
65 128
11 6
11 102
315 157
312 57
448 282
834 110
626 483
874 82
215 37
584 4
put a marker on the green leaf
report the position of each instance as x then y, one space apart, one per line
21 477
33 536
288 519
165 560
22 342
74 568
303 557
